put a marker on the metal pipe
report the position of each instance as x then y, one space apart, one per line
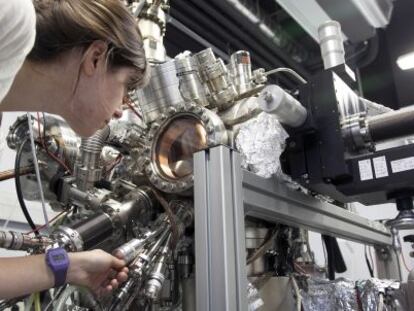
5 175
88 169
331 43
392 124
274 100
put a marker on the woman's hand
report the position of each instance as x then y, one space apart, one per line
97 270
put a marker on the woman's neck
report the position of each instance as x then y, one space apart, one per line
41 87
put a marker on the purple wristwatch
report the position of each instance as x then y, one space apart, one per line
58 261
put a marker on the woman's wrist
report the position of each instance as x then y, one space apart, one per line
72 275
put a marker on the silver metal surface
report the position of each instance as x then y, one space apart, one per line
151 23
88 168
221 282
274 100
216 134
331 43
190 85
241 71
271 200
161 93
215 74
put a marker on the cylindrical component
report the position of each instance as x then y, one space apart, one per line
392 124
215 74
129 250
19 241
88 168
94 230
190 85
274 100
151 23
122 295
5 175
161 92
157 276
85 234
331 43
241 71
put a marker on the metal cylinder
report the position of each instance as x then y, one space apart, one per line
392 124
161 92
88 168
215 74
190 85
331 43
151 23
241 71
129 250
20 241
274 100
85 234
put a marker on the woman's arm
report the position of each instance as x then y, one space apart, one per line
97 270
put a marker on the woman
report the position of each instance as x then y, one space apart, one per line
79 63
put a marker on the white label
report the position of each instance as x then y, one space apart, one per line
365 170
380 167
402 165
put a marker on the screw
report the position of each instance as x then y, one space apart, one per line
268 97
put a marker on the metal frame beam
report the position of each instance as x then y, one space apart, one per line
271 200
221 281
224 194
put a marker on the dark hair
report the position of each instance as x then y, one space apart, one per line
63 25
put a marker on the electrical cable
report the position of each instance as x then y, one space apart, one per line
36 165
289 71
129 104
37 304
43 144
372 259
260 251
19 187
371 272
50 221
297 293
404 262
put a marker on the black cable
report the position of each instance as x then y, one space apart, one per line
371 271
19 186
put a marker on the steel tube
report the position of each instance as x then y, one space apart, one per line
392 124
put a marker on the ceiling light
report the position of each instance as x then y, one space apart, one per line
406 61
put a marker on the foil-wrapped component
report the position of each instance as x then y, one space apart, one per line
260 142
324 295
371 289
254 301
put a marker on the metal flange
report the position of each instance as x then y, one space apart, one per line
216 134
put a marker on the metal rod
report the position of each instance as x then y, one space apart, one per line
36 165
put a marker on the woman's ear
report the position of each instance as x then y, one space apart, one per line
94 57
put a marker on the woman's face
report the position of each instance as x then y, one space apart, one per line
98 93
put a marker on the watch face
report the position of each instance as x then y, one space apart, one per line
58 257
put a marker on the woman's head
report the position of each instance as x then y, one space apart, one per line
103 39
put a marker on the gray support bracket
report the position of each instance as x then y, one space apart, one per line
221 281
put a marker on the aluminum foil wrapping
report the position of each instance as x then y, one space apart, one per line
324 295
370 290
261 141
254 301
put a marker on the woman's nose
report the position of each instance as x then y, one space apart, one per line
117 113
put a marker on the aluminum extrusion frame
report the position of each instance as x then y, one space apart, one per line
224 194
